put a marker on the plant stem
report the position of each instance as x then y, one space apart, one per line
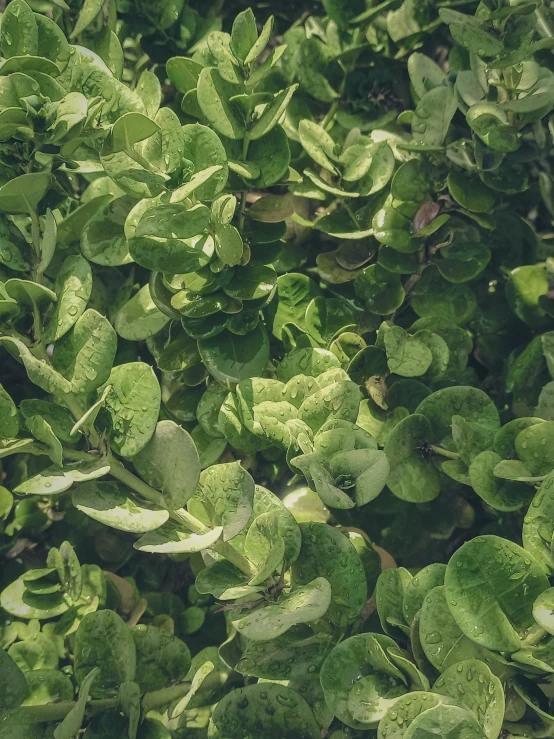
330 115
77 413
139 159
35 238
121 473
160 698
443 452
535 634
181 516
242 211
58 711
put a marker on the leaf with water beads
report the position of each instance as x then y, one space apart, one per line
356 667
413 477
85 355
327 553
535 447
225 497
408 707
257 711
301 605
286 657
73 288
501 494
493 584
442 640
133 404
169 539
389 595
161 657
169 462
104 642
113 504
472 683
538 525
418 587
445 720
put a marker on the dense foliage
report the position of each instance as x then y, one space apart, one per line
277 366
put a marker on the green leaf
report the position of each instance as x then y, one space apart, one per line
492 584
419 586
444 720
470 192
294 294
170 463
443 642
183 73
470 33
19 602
214 95
408 707
244 34
543 611
389 595
228 245
23 194
301 605
359 668
482 693
257 709
231 358
133 404
73 721
47 686
272 209
318 144
169 539
162 659
85 355
35 652
413 477
406 355
129 130
271 113
14 684
73 288
114 505
103 642
424 73
140 318
435 297
524 288
261 42
538 525
53 480
19 34
149 90
328 553
42 431
503 495
9 421
225 495
468 402
38 370
89 11
433 115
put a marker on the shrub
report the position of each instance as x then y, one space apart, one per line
277 361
